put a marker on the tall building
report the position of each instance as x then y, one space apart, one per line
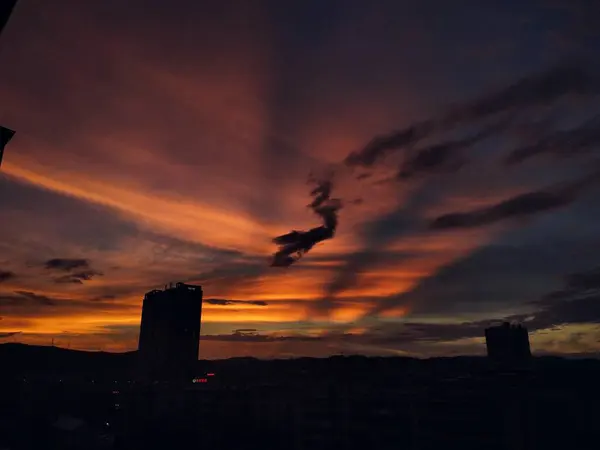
170 332
508 343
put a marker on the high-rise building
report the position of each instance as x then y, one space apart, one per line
508 343
170 332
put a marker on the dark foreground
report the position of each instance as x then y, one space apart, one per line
53 398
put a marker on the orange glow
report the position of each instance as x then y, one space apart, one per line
399 311
184 167
347 314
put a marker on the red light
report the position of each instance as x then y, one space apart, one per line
210 374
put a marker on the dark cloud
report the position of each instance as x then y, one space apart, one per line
293 245
37 298
575 284
531 91
584 281
66 264
578 302
567 143
104 297
435 158
79 270
584 309
225 302
444 156
521 205
381 146
22 297
6 275
78 277
21 303
9 334
537 89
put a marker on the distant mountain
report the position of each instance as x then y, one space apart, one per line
23 358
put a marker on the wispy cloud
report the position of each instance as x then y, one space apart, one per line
6 275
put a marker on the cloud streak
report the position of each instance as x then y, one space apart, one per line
544 87
9 334
226 302
79 270
293 245
522 205
66 264
444 157
562 144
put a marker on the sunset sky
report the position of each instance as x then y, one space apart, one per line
172 141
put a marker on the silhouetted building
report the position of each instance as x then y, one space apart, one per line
170 332
507 343
5 136
6 7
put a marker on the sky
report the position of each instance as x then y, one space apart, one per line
173 141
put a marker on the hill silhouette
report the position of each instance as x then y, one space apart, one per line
22 358
48 361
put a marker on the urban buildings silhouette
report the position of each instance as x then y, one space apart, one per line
508 344
82 400
170 332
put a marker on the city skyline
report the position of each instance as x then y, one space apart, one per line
175 143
